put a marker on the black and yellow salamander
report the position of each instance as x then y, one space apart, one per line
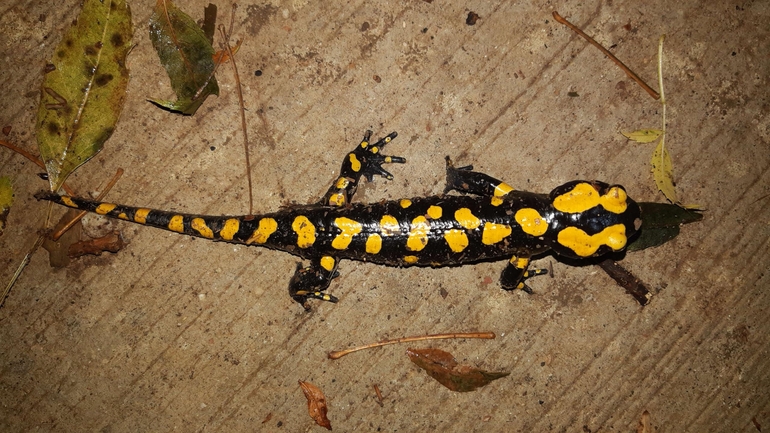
489 220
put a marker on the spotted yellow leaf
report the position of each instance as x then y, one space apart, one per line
663 172
84 88
643 135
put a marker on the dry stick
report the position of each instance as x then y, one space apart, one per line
226 37
379 394
55 237
219 59
590 40
21 267
34 159
484 335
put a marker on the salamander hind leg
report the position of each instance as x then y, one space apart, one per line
516 272
365 160
466 181
312 281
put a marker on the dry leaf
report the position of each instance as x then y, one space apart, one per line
644 423
643 135
442 366
316 404
111 242
223 56
663 171
6 200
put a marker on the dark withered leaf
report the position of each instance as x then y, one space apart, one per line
660 224
442 366
186 53
316 404
84 88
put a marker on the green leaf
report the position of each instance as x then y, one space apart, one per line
442 366
84 88
186 54
660 224
6 200
643 135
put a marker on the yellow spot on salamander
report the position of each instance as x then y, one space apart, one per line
68 202
123 216
176 224
349 229
494 233
230 229
199 225
418 234
337 199
266 227
435 212
405 203
305 231
328 262
584 196
531 222
342 183
456 239
410 260
500 191
105 208
519 262
585 245
373 243
141 215
389 226
355 164
465 218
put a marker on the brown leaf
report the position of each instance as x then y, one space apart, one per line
112 242
644 423
442 366
316 404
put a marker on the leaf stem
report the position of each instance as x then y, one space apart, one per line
226 37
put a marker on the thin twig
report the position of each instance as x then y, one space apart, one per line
226 37
34 159
484 335
620 64
21 267
379 394
55 237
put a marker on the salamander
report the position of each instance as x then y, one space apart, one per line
487 220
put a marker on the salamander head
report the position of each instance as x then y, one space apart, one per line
591 218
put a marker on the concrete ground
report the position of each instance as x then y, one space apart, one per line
182 334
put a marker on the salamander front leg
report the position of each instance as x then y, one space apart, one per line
515 273
312 281
466 181
365 160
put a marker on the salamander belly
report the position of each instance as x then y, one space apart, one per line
431 231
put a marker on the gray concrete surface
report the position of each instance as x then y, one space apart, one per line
176 334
